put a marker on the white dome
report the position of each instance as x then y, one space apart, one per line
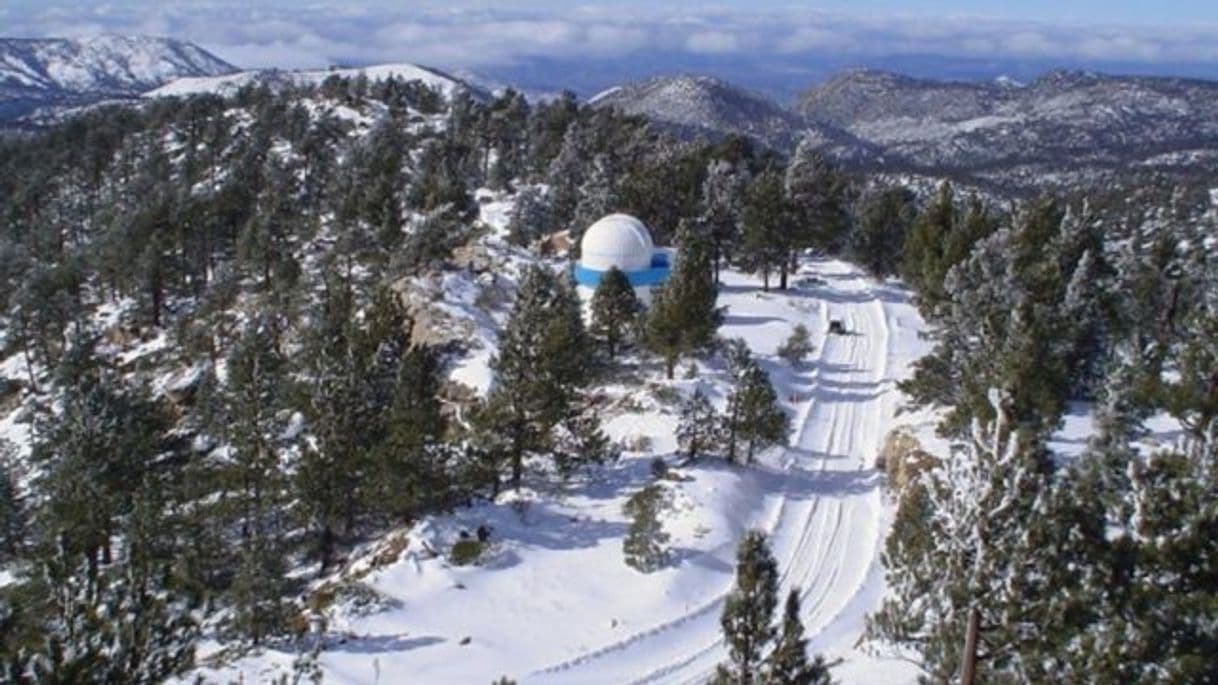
617 240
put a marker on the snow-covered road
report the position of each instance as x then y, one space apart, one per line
827 528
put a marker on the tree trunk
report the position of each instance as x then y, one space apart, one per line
782 275
765 280
670 364
968 667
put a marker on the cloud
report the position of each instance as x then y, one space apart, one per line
324 32
712 42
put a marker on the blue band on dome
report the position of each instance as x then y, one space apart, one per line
646 277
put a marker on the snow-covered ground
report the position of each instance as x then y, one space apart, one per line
555 603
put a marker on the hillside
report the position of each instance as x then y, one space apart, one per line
295 383
229 84
1068 129
49 72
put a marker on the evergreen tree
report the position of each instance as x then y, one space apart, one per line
542 361
530 217
956 586
12 507
753 415
723 193
797 347
698 427
683 318
253 421
788 663
597 195
748 611
765 242
343 417
645 538
817 196
885 218
615 310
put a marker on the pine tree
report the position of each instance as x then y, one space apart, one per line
12 507
253 422
885 218
542 361
615 310
753 415
797 347
955 586
683 318
788 663
530 217
765 243
643 545
817 196
597 196
723 193
698 427
748 611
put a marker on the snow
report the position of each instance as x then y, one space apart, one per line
554 602
231 83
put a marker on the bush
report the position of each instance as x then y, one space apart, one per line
797 347
466 552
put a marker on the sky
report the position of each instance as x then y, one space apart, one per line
475 33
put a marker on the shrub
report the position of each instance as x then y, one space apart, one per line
797 347
466 552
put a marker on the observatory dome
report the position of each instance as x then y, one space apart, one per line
618 240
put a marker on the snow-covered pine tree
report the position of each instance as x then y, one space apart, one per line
615 310
952 587
644 544
597 196
748 612
722 207
530 216
817 195
788 663
699 426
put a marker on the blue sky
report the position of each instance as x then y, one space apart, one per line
475 33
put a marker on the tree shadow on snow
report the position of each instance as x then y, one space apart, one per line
381 644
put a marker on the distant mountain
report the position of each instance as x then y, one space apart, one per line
1062 121
60 72
1064 128
231 83
702 104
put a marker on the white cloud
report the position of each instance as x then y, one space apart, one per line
463 35
712 42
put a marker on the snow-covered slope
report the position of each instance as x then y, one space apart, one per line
46 72
554 602
230 83
1063 119
704 104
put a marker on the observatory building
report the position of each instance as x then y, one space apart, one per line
622 241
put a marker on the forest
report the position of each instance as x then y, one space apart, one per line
257 243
